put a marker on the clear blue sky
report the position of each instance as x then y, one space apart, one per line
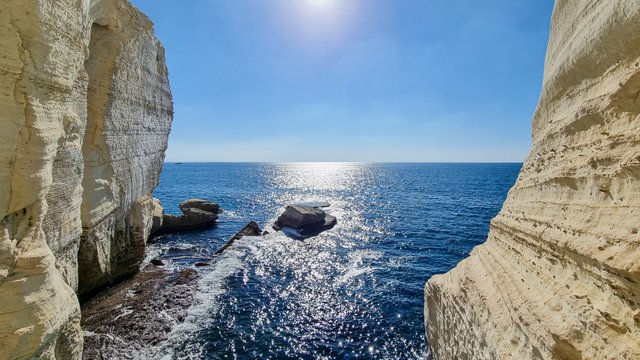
352 80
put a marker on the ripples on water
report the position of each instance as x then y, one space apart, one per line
352 292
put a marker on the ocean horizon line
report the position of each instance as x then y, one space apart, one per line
343 162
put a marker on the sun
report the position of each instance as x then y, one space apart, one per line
320 3
320 22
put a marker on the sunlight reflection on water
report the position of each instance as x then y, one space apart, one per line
321 177
354 291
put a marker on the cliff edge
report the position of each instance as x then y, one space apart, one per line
559 276
85 113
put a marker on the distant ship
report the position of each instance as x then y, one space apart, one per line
178 163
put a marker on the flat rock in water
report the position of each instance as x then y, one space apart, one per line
201 204
305 221
319 205
192 219
298 217
310 231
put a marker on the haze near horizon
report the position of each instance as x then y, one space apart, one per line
352 80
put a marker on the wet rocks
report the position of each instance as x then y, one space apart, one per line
306 220
298 217
196 214
251 229
138 314
157 262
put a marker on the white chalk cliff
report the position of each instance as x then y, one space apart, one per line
559 276
85 113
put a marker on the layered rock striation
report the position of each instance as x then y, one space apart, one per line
559 276
85 112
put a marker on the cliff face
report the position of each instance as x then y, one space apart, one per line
559 276
85 113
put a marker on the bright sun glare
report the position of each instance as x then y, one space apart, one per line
320 3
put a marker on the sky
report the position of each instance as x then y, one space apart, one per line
352 80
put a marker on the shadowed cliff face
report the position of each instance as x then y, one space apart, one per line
559 276
85 112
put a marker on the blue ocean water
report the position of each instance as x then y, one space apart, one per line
355 291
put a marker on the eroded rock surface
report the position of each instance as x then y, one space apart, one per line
201 204
158 216
196 214
298 217
85 111
134 317
251 229
559 276
307 221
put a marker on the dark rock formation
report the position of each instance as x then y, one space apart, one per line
157 262
251 229
201 204
196 214
298 217
137 314
306 220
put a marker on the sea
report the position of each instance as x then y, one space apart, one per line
353 292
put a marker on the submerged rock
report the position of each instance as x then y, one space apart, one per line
306 220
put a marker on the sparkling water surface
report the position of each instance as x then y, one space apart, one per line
355 291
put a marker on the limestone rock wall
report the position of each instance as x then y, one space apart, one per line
559 276
85 112
126 135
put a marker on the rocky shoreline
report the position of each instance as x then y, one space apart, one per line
137 315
